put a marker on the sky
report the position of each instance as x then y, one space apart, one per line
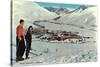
48 4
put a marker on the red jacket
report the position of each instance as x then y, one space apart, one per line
19 31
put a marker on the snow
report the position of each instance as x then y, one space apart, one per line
81 21
88 56
60 53
78 17
30 12
46 52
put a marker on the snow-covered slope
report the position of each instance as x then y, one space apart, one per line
85 17
82 21
60 52
29 11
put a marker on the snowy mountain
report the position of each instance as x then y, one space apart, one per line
29 11
81 20
58 10
80 17
61 10
78 13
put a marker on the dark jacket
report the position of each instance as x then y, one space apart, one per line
28 36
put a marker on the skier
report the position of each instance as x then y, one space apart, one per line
20 43
28 38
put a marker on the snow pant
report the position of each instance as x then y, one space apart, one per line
28 48
20 47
